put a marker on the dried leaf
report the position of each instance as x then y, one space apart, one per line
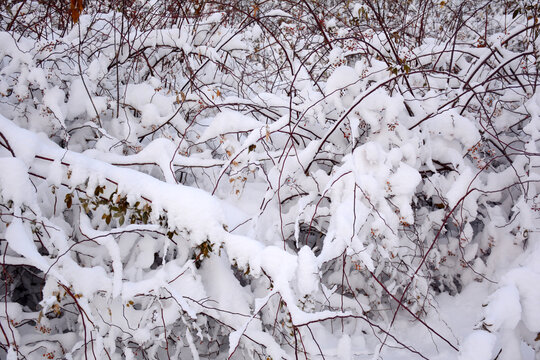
68 200
76 8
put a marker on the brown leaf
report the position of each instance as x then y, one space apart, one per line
76 8
68 200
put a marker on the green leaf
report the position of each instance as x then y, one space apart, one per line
406 68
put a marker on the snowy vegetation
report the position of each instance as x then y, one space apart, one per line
320 179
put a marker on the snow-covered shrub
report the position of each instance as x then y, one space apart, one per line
215 179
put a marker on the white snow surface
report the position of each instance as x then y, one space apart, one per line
214 190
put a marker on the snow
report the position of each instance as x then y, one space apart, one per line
110 244
12 354
80 102
268 182
14 184
229 121
54 100
141 96
307 273
185 206
404 180
504 308
343 78
20 241
451 125
344 348
460 187
192 346
73 274
478 345
522 277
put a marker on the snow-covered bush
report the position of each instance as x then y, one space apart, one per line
216 179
